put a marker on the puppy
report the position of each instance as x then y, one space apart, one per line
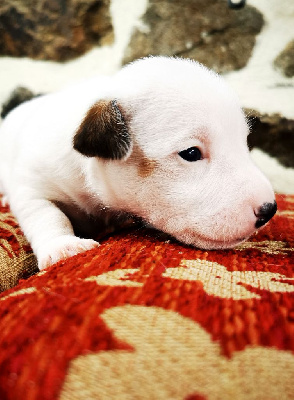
164 139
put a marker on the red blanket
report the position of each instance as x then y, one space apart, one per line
143 317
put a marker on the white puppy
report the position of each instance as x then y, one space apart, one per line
163 139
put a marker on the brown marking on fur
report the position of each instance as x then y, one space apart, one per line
103 132
145 166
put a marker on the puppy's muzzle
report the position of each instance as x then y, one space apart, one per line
265 213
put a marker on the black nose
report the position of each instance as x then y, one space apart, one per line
265 213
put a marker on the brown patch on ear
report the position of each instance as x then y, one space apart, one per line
145 166
103 132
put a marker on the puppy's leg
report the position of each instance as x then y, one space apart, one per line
4 201
62 247
48 230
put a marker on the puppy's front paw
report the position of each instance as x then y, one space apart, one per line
62 247
4 201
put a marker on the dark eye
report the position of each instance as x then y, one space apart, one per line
191 154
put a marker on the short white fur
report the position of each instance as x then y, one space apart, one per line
171 105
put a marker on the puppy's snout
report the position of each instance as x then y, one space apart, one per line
265 213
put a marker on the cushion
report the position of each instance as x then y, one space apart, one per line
145 317
17 260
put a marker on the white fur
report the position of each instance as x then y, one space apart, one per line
172 104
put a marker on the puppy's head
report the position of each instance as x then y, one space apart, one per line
174 146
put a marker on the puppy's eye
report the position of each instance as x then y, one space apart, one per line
191 154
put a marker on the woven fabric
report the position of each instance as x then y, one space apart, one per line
144 317
16 257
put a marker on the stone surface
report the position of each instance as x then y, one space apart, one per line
273 134
205 30
53 29
285 60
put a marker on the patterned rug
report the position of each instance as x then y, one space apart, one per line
144 317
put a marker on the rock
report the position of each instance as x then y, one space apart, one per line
273 134
53 29
285 60
205 30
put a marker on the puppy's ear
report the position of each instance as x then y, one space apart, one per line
103 132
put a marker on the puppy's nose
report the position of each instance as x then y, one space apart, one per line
265 213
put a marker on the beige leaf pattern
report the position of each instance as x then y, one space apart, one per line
220 282
216 279
115 278
173 358
267 246
19 292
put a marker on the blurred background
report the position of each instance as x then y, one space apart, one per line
46 45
